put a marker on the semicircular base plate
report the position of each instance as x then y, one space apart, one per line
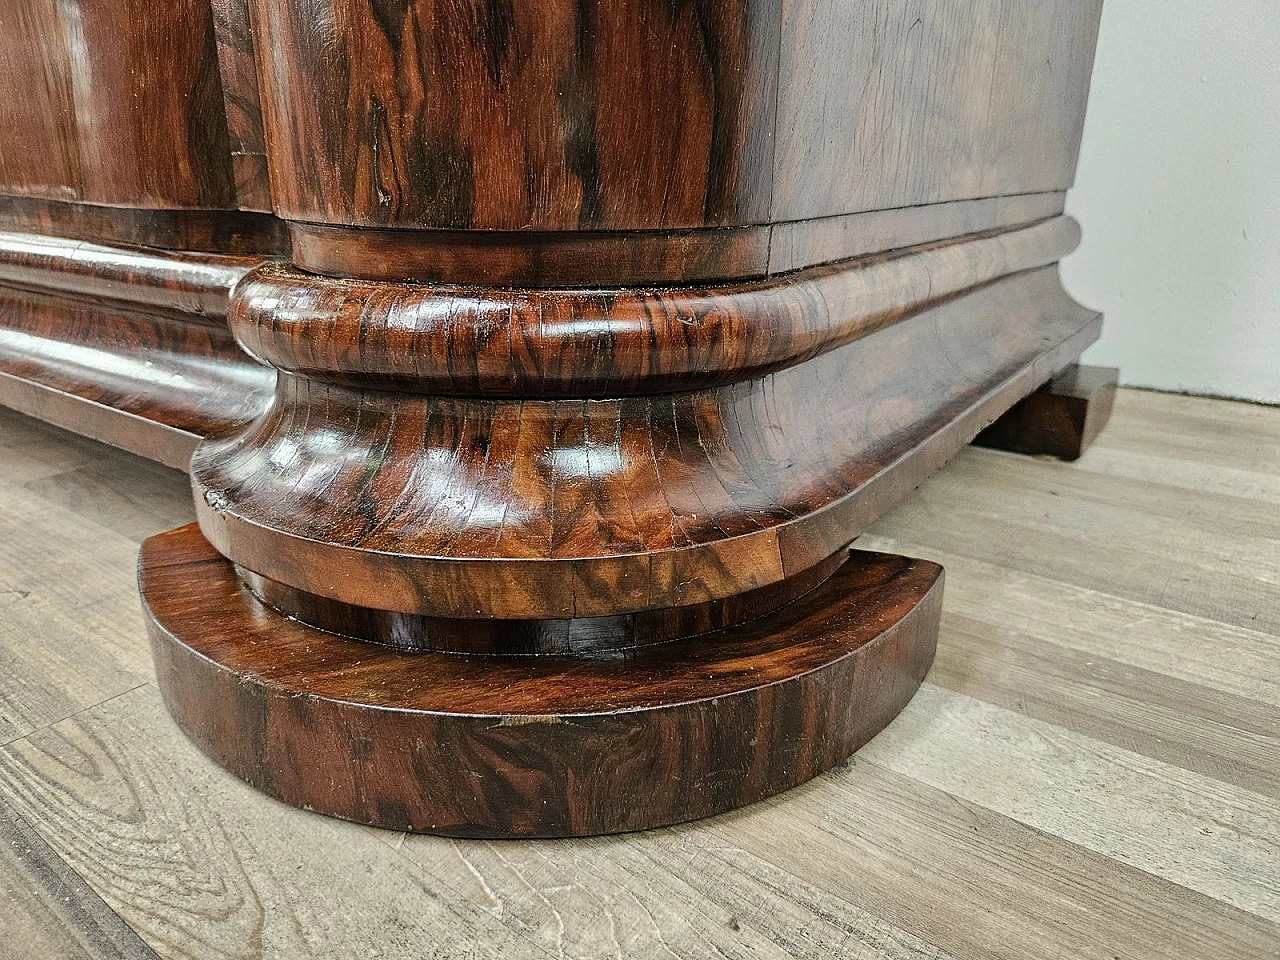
534 746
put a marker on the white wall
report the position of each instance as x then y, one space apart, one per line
1179 195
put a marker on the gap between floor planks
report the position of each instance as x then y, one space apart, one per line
1090 770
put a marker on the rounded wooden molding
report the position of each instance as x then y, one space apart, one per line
620 341
129 346
469 508
418 633
192 284
621 258
483 746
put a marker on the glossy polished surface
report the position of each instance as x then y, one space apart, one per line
125 345
1066 667
239 73
610 342
451 506
581 339
546 114
231 232
550 746
603 258
571 636
113 102
643 115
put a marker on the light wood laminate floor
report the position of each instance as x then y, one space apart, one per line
1092 769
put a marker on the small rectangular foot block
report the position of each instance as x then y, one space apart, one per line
1060 419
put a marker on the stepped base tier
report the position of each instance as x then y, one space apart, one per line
535 371
534 746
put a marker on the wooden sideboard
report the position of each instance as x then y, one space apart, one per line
535 363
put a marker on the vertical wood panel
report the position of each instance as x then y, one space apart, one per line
153 128
904 102
40 154
116 102
546 114
1040 87
239 74
513 114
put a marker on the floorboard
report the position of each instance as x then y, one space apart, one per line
1092 769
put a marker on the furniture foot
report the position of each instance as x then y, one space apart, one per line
485 745
1061 419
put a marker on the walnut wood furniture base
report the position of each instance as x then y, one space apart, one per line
483 746
653 493
536 561
535 366
1060 419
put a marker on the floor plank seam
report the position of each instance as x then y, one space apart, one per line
1059 840
71 716
1086 772
136 946
877 543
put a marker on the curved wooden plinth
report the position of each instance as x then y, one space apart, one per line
485 746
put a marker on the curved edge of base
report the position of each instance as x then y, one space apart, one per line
481 746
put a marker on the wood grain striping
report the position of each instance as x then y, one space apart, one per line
49 910
865 862
238 70
551 745
729 488
615 341
115 103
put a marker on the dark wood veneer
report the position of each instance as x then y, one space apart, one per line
573 635
639 114
198 285
933 100
478 746
116 103
239 73
609 342
128 346
540 359
602 258
529 508
1060 419
213 231
543 114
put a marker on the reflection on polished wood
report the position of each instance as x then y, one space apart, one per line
117 104
564 344
126 345
457 506
1066 667
551 744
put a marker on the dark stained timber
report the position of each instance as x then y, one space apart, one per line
232 232
1060 419
547 508
648 115
117 104
417 633
610 342
548 115
478 746
247 140
603 258
536 362
127 346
